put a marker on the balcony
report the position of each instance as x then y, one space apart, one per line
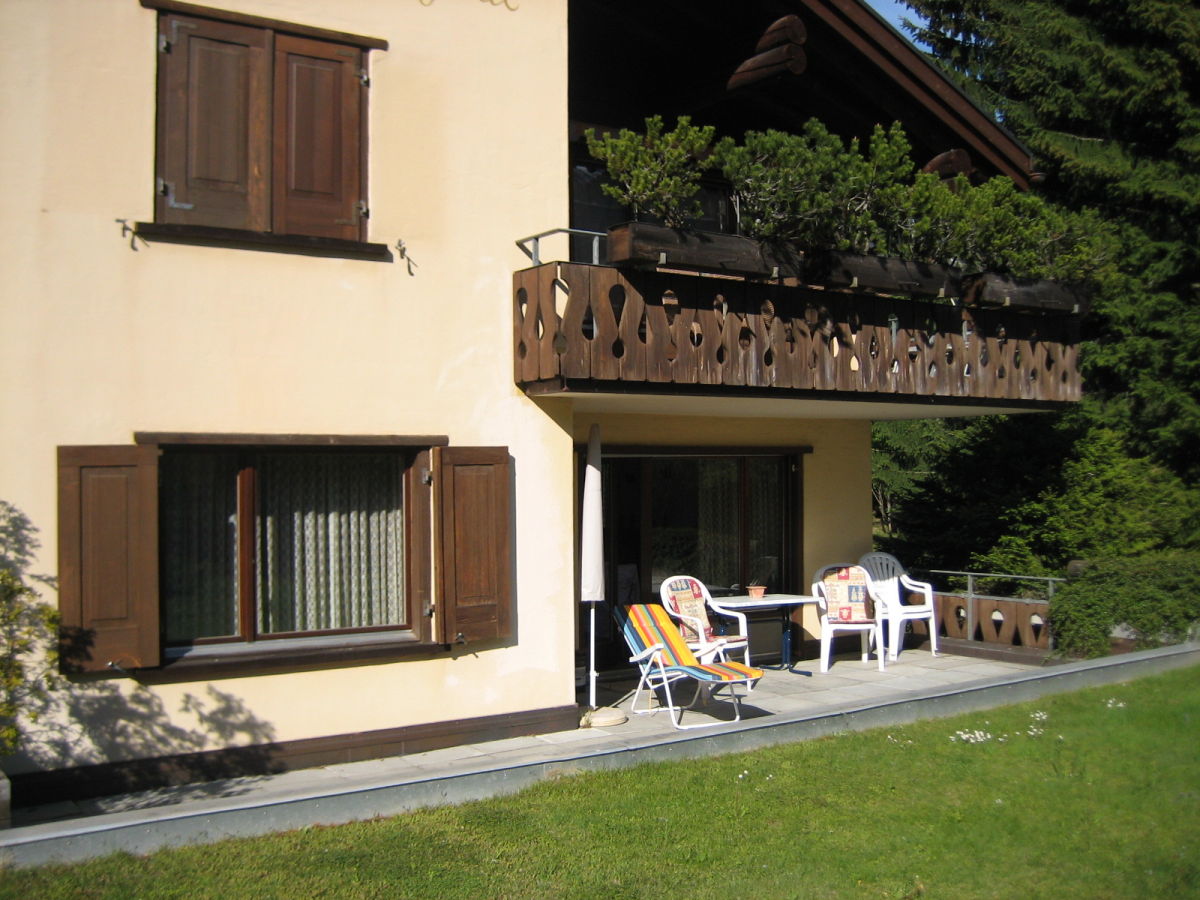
582 328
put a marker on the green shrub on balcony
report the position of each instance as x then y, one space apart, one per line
655 174
1155 596
814 191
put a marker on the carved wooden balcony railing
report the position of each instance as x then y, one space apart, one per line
602 328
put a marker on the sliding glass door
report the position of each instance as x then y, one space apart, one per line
728 519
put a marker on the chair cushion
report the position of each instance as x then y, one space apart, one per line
688 597
849 601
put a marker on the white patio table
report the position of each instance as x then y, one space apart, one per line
785 603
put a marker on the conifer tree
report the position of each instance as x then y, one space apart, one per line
1107 95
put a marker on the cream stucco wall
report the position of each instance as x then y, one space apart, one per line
103 335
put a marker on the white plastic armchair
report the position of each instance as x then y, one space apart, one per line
890 583
686 599
844 602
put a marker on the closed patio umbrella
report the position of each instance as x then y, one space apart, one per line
591 572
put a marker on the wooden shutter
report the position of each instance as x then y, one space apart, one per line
108 556
213 124
473 543
318 124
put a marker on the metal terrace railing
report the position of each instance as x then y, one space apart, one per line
975 615
532 246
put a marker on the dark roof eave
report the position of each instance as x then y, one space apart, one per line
910 70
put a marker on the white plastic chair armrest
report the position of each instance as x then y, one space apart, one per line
733 614
646 654
922 587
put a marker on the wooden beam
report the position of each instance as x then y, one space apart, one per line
778 51
787 58
788 30
951 163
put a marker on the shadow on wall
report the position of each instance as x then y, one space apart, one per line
88 723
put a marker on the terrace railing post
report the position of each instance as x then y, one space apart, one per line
534 242
972 612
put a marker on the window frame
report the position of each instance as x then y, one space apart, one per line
259 202
246 486
458 512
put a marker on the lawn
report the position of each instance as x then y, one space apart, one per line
1092 794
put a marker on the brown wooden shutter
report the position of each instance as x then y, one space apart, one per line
318 124
213 124
108 556
473 543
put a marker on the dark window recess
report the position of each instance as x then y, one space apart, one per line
277 543
260 130
193 544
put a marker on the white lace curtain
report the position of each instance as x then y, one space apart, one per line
328 542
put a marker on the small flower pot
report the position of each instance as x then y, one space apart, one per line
756 591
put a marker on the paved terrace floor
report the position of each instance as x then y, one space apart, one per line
786 706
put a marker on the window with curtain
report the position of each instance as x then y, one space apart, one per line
721 519
262 543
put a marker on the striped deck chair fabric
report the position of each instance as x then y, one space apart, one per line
664 657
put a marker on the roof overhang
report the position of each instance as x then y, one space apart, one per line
839 62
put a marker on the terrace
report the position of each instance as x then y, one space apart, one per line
786 706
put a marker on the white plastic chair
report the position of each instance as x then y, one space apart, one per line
844 602
890 583
686 599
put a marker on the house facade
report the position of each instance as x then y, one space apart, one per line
295 417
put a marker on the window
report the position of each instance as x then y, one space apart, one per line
265 543
185 541
261 125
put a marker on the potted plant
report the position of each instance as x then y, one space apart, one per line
656 175
756 590
836 214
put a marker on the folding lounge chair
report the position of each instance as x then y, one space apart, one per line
687 599
663 657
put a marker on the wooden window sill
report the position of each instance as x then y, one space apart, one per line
268 657
237 239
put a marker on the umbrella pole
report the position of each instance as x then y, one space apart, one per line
592 660
591 582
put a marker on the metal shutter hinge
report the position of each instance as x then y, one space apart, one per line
166 43
166 189
361 211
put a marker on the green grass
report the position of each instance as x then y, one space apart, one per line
1092 794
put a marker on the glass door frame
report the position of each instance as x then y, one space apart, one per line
792 564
